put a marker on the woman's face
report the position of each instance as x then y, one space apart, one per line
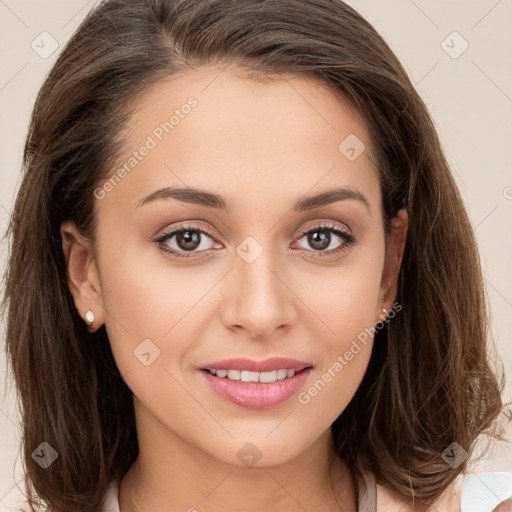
263 270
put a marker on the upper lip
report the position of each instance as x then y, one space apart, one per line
268 365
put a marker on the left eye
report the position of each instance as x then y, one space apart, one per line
322 239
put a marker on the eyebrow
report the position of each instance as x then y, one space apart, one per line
211 200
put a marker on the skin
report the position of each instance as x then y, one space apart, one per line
262 145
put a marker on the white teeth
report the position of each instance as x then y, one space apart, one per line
281 374
268 376
248 376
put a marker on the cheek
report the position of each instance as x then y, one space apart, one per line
152 327
345 354
333 386
346 305
145 300
346 347
346 299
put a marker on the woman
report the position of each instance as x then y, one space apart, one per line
242 276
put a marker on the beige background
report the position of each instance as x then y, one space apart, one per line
470 98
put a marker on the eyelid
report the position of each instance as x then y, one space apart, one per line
327 224
192 225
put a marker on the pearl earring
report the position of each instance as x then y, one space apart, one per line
89 317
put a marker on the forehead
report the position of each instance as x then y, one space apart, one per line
216 128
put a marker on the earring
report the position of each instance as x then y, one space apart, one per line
89 317
384 310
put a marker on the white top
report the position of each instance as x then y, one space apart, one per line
474 492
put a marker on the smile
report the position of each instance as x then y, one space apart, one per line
256 384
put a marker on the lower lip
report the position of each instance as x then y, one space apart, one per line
256 395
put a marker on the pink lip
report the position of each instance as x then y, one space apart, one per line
268 365
257 395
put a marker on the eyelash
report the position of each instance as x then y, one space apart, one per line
348 239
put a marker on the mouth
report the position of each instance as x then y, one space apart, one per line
256 384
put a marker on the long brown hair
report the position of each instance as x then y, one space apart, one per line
429 382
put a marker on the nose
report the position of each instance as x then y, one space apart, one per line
258 298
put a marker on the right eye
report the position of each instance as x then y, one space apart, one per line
185 238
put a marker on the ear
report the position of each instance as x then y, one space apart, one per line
82 274
393 260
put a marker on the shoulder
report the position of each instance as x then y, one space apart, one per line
472 492
486 491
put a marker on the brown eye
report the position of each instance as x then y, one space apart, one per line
323 237
186 239
319 239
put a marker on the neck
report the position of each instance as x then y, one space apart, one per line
170 471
